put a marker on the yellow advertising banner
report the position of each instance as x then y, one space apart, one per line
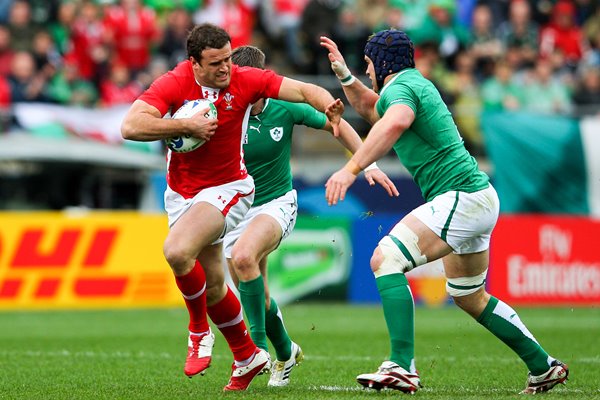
84 260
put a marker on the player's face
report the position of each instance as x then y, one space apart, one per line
371 73
214 68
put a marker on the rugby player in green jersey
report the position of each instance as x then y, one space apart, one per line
455 223
267 152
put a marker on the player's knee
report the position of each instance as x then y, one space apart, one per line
474 303
243 261
178 258
397 253
376 259
469 292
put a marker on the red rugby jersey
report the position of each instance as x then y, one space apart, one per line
220 160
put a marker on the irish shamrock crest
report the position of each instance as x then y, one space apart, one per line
277 133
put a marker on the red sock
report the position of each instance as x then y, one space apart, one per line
227 315
193 288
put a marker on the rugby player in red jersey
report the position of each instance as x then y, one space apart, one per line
209 190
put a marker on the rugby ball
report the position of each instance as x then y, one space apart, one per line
187 143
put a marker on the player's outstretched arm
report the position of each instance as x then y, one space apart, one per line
302 92
350 139
144 123
361 98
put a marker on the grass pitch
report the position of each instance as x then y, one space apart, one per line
139 354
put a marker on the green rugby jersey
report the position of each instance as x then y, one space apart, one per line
431 149
268 145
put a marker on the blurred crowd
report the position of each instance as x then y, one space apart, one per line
540 56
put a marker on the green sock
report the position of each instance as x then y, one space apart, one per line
506 325
277 333
399 313
252 296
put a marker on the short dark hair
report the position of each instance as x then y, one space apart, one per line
248 56
205 36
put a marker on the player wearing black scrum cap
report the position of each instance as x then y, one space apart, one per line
455 223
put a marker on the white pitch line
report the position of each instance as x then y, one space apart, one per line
308 357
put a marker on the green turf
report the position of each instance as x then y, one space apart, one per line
138 354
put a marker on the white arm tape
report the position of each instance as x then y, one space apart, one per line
372 166
343 73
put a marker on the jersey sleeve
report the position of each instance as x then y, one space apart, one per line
305 114
261 83
163 93
397 94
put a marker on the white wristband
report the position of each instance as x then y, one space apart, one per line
372 166
343 73
348 81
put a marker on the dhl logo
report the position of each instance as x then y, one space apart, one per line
92 261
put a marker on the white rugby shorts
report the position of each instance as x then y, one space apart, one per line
233 199
463 220
283 209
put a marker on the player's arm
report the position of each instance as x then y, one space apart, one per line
350 139
302 92
381 138
144 123
361 98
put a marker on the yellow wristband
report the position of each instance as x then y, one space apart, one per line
353 167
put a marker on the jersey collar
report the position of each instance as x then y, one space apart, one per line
392 80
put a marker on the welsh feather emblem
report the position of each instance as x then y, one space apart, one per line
228 99
277 133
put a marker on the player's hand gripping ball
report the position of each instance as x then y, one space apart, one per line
187 143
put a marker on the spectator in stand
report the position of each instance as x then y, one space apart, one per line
5 99
6 52
544 93
393 19
464 88
319 18
5 6
587 93
431 65
61 28
44 12
237 17
26 84
500 92
415 13
485 47
591 29
133 30
67 87
440 27
350 33
520 33
22 28
172 45
499 9
89 50
158 66
563 34
281 20
47 58
118 88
